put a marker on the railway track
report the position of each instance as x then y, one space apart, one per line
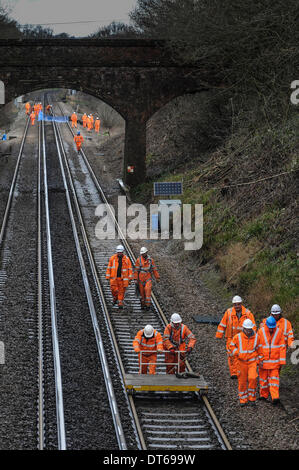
161 420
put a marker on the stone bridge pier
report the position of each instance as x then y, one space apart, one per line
135 77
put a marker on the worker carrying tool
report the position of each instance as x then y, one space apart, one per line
144 268
119 273
231 323
178 341
97 125
32 117
272 349
28 108
244 347
78 141
146 343
74 119
84 119
284 324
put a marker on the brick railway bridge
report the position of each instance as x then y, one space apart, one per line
135 77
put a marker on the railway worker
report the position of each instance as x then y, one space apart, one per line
78 141
48 108
36 108
97 125
74 119
177 341
89 123
146 343
91 120
231 324
28 108
244 346
272 348
143 270
84 119
284 324
32 117
119 273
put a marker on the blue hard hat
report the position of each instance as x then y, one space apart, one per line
78 133
271 322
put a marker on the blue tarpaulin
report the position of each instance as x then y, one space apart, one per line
42 117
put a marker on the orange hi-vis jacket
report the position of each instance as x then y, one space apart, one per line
151 345
231 324
144 268
180 339
74 117
79 140
126 270
28 107
272 348
245 348
286 326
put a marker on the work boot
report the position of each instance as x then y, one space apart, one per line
263 398
243 404
120 307
114 301
252 403
275 401
233 376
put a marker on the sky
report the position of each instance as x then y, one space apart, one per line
98 12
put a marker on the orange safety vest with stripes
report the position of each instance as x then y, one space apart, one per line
144 267
286 327
231 324
245 348
79 140
272 348
180 339
151 345
126 269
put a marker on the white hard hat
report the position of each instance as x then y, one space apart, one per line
237 299
143 250
276 309
248 324
175 318
148 331
120 249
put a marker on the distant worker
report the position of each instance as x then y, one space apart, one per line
119 273
244 347
91 120
79 141
177 341
48 109
84 119
143 270
231 324
88 123
146 343
28 108
32 117
4 137
36 108
74 119
272 349
284 324
97 125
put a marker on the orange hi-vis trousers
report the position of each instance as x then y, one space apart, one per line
118 289
147 362
74 123
247 380
145 289
232 360
171 361
269 382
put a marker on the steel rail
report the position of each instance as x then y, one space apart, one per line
40 301
101 350
13 183
55 340
204 398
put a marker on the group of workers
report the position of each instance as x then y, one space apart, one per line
33 110
88 122
177 340
253 353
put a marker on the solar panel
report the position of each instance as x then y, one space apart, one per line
168 189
